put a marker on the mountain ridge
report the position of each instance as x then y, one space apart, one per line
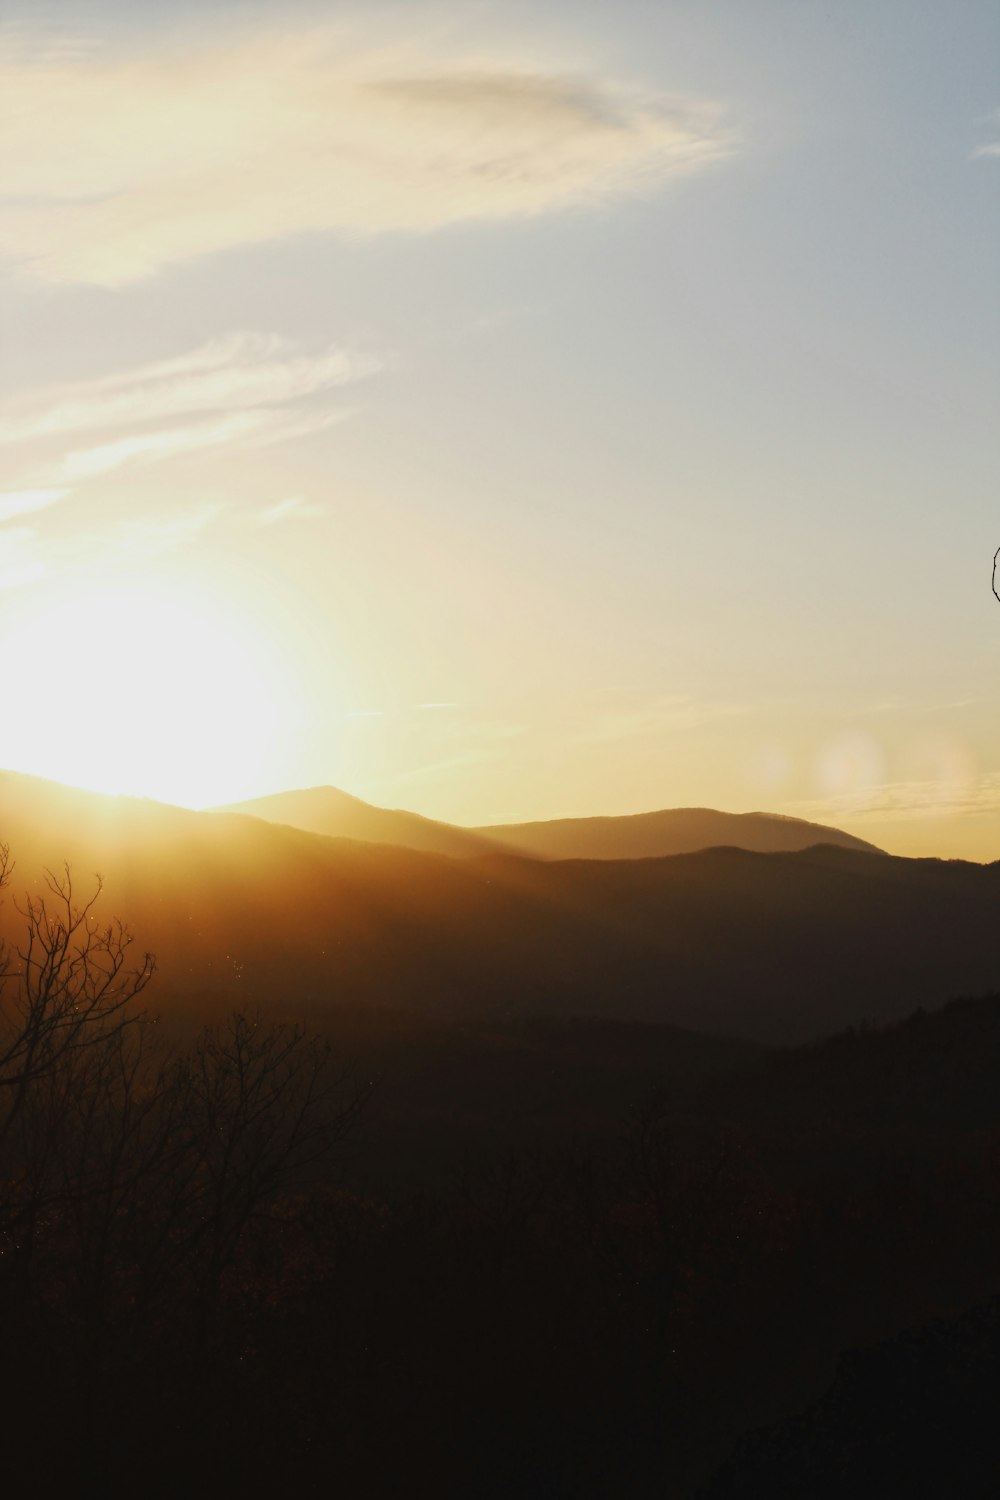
768 946
663 831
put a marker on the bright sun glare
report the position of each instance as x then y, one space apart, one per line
145 689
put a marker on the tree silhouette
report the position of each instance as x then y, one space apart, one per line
129 1174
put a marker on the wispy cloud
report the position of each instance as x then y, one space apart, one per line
25 502
907 799
247 388
120 165
293 508
242 372
257 427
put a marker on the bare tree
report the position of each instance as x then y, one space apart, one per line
66 1010
69 990
128 1175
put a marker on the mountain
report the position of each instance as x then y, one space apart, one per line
681 830
326 810
782 946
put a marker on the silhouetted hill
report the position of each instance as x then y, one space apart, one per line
324 809
678 830
681 830
607 1250
911 1416
766 946
890 1136
933 1071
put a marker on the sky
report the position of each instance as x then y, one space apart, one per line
506 411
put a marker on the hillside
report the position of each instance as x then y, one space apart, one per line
681 830
765 946
336 814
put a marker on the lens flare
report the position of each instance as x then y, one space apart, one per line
849 768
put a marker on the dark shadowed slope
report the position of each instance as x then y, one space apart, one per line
325 810
679 830
769 946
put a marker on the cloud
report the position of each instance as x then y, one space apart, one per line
247 388
119 165
294 508
256 427
904 799
151 414
25 502
240 372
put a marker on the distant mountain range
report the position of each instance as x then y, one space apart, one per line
769 946
681 830
335 814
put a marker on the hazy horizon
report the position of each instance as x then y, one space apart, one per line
500 760
506 412
247 805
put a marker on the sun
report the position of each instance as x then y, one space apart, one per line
147 688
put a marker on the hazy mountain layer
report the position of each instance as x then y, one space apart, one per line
326 810
680 830
767 946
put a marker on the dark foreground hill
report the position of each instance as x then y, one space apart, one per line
914 1415
611 1308
681 830
765 946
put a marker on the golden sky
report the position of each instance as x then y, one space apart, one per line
505 411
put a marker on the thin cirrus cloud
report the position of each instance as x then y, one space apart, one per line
26 502
119 166
292 508
247 388
240 371
912 798
254 427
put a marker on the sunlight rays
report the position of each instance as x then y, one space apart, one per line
144 688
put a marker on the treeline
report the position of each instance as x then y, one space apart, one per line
199 1293
130 1174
